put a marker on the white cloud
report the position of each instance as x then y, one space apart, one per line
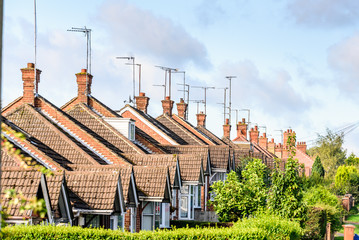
151 35
343 58
324 13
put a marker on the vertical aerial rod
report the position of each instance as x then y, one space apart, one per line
139 75
198 102
87 32
35 41
236 110
230 96
205 96
169 70
133 76
184 83
224 104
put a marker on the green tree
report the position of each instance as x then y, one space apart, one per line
286 192
237 198
347 180
330 150
352 160
317 168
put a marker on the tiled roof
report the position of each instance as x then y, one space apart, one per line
211 135
125 174
303 158
239 155
148 141
179 130
151 181
54 186
157 124
40 153
97 190
190 149
25 181
220 156
64 145
161 160
193 130
102 130
190 165
240 138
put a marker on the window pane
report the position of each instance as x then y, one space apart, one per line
166 214
120 222
184 189
184 207
147 223
198 196
148 209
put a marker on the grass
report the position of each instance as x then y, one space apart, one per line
353 218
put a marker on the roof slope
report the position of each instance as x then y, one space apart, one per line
152 123
181 131
193 130
161 160
220 156
191 166
102 130
125 174
97 190
66 146
54 184
25 181
211 135
151 181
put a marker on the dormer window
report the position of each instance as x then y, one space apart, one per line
126 126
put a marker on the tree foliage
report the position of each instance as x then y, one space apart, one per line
352 160
286 192
237 198
317 168
330 150
347 180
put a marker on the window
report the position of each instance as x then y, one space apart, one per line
116 222
94 221
165 218
186 202
148 216
197 196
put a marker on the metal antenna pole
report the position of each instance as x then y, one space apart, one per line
230 96
35 41
198 102
139 75
184 83
133 76
205 96
224 104
164 86
87 32
169 70
236 110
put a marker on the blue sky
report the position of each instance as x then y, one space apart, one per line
296 64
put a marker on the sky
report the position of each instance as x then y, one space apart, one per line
295 61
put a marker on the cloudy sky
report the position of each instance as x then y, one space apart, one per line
296 61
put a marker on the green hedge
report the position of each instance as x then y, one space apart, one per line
63 233
194 224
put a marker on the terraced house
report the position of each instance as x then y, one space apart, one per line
120 169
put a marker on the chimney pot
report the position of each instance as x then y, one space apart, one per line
167 98
167 106
227 129
84 81
181 108
30 65
256 128
30 86
264 135
201 119
227 121
142 94
83 70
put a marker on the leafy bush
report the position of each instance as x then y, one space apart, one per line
194 224
347 180
317 168
69 233
275 227
320 195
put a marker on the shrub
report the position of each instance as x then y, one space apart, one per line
69 233
320 195
275 227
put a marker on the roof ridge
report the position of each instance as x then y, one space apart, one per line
195 131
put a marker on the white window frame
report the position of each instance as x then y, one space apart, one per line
190 203
165 215
148 214
115 221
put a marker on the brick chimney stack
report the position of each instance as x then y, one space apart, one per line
242 128
278 150
271 146
84 81
253 135
227 129
286 134
263 141
142 102
30 87
182 108
302 146
167 106
201 119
